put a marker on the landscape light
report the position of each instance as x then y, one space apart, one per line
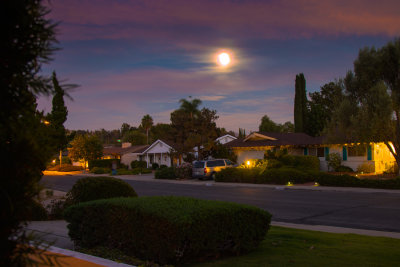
289 183
316 184
248 163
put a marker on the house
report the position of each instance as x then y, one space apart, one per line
159 152
225 139
127 153
353 155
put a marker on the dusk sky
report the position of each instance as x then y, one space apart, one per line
133 58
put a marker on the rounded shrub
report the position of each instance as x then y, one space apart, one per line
92 188
168 229
155 166
100 170
283 176
36 212
343 168
138 164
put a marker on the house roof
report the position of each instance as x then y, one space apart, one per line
258 139
126 150
168 143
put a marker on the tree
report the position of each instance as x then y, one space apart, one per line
58 116
147 123
85 147
190 107
161 131
267 125
28 40
135 137
125 127
321 105
300 104
242 133
370 110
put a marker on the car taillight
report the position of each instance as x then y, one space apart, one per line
205 170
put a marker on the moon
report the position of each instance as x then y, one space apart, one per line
224 59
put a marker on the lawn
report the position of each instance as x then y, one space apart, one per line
292 247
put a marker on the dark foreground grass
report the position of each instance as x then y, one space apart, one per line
293 247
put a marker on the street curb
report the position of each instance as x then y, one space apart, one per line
337 230
86 257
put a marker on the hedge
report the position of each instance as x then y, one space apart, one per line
284 175
92 188
168 229
103 163
138 164
165 173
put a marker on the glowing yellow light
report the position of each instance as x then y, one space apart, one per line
316 184
46 122
248 163
54 161
224 59
289 184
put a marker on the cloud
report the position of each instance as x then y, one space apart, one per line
207 20
212 98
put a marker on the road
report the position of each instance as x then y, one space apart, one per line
371 211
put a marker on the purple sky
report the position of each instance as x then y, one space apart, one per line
133 58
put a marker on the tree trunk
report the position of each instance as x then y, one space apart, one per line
395 155
60 157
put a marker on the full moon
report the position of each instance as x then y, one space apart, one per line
224 59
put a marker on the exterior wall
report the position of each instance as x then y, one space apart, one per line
128 158
384 160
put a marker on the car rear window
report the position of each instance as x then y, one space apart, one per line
215 163
198 164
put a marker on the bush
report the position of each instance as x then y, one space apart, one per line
184 171
65 168
92 188
168 229
56 209
64 160
334 161
165 173
283 176
35 212
103 163
138 164
305 163
100 170
140 171
163 166
366 167
154 166
342 168
328 179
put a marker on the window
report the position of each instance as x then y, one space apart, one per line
198 164
215 163
356 151
312 151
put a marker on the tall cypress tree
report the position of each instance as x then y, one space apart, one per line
300 104
58 116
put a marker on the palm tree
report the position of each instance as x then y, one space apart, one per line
191 107
147 122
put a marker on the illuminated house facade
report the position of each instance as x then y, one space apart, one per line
376 155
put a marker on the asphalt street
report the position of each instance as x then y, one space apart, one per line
361 210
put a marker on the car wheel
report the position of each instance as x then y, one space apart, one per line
213 176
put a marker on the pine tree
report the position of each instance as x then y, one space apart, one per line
300 104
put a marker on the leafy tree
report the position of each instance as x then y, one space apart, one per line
135 137
321 106
267 125
300 104
190 107
147 123
125 127
58 116
223 152
370 110
161 131
28 40
86 147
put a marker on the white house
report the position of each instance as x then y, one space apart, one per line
159 152
353 155
225 139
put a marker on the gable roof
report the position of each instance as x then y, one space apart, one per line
171 145
262 139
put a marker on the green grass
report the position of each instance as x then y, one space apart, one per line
292 247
